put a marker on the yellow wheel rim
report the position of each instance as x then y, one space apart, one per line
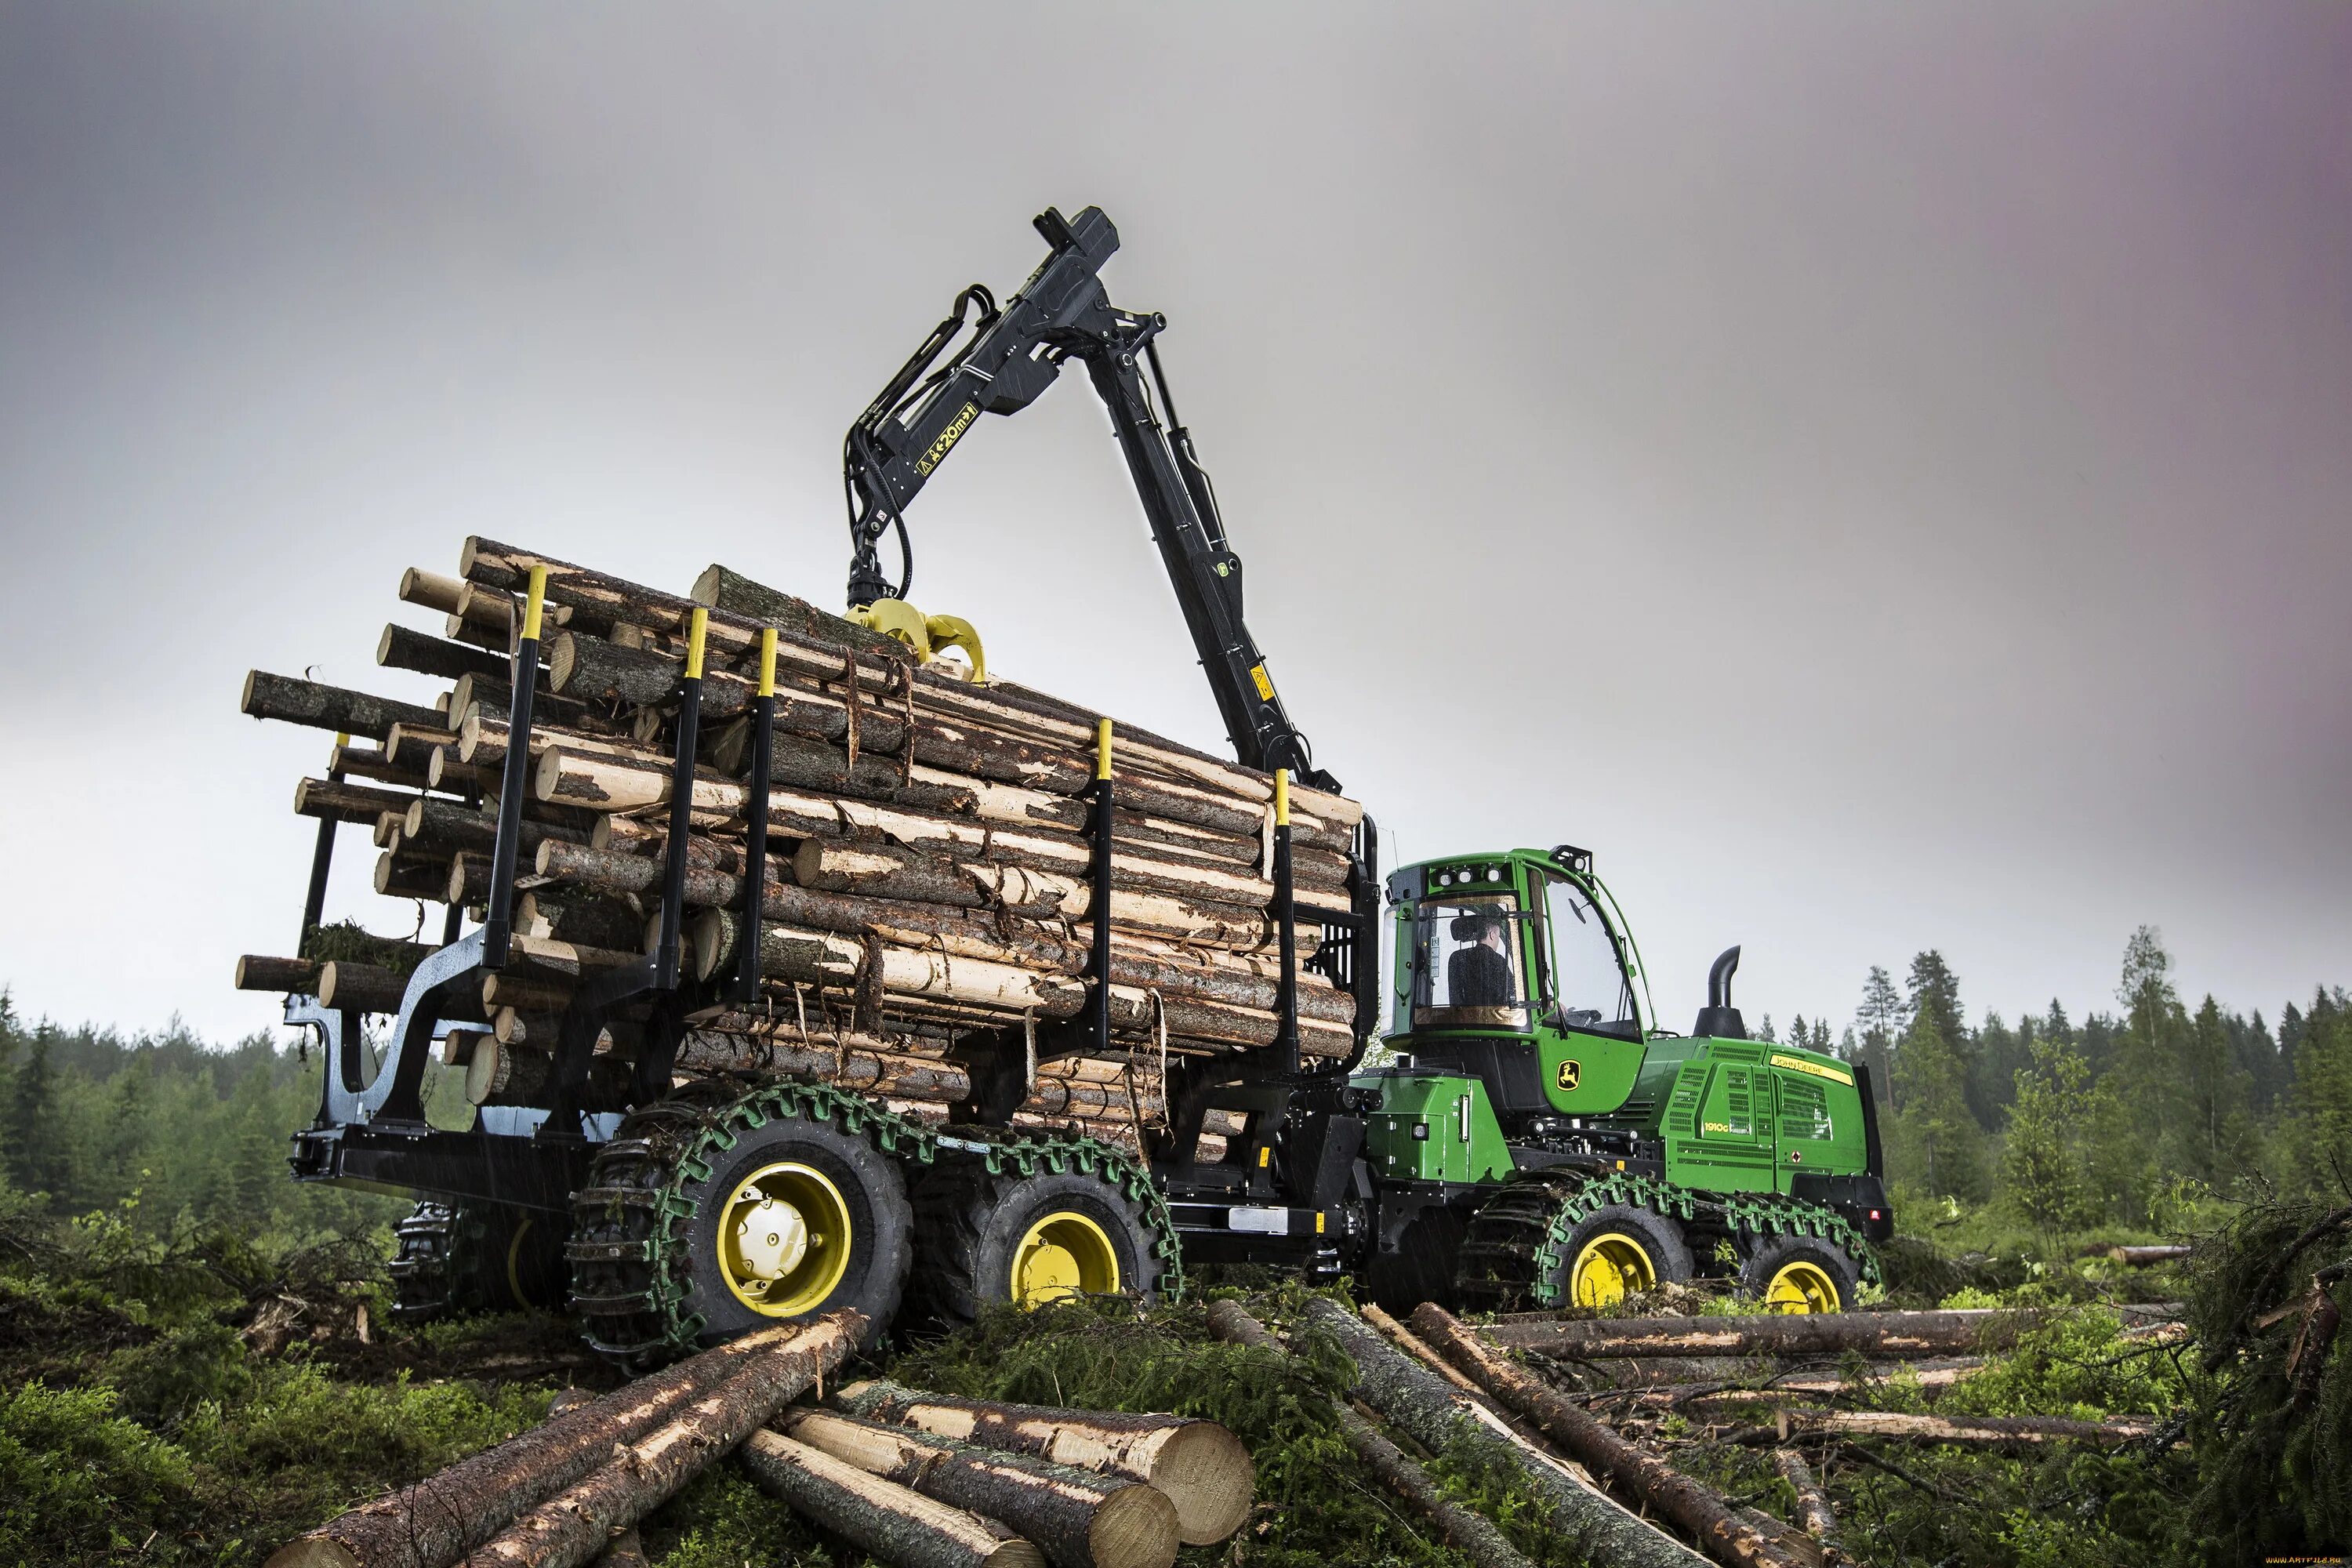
1610 1268
1063 1255
514 1265
784 1239
1801 1288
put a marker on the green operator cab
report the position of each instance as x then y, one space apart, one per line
1539 1141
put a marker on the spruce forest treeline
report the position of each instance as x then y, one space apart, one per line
2131 1119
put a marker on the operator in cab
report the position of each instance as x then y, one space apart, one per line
1479 972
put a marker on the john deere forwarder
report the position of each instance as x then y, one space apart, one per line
1536 1140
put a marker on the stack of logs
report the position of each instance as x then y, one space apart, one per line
928 881
919 1481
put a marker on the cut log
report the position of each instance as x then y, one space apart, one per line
1696 1510
447 826
339 801
1973 1431
1078 1519
401 648
399 876
1436 1414
1813 1510
878 1516
1953 1333
323 707
431 590
256 972
1467 1532
571 1526
881 1072
441 1518
2138 1256
362 988
1202 1469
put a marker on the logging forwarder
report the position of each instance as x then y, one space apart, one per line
1535 1138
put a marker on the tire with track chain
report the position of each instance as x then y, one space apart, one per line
1495 1267
983 1240
1799 1274
453 1259
712 1213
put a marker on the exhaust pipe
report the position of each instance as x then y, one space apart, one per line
1720 1019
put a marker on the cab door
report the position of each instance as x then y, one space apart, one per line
1589 1046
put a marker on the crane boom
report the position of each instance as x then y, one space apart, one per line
1060 313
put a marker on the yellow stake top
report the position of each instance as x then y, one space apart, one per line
1282 797
767 661
694 634
1102 748
533 602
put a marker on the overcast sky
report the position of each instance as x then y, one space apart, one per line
1879 475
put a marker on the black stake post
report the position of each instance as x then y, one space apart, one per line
322 859
1098 960
681 803
755 838
497 930
1286 915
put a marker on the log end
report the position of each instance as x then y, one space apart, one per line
314 1552
1134 1527
245 692
1207 1476
710 938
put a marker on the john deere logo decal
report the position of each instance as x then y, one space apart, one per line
1569 1073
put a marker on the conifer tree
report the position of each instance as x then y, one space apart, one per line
2045 1162
1937 1147
1879 1018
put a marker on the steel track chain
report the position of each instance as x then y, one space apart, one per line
628 1243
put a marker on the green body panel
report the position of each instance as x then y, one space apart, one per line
1733 1115
1417 1134
1603 1070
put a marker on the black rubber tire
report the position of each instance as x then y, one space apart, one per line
1421 1267
1660 1238
968 1224
881 1227
1770 1254
453 1260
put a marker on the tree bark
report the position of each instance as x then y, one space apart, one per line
1696 1510
1077 1517
361 987
323 707
433 1522
1956 1333
880 1072
1435 1416
1467 1532
571 1526
1813 1509
1201 1466
878 1516
447 826
2138 1256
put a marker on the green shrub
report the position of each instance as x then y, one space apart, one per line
78 1483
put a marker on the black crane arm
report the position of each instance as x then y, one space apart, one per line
1062 312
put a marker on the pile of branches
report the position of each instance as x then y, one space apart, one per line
929 878
2274 1435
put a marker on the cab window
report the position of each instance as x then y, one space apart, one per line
1589 985
1468 970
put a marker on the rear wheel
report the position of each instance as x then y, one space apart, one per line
1798 1274
454 1258
1028 1240
702 1222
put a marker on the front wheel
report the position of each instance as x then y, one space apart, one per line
1799 1274
1614 1252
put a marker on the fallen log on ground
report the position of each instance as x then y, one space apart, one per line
1813 1509
1475 1537
438 1520
1202 1469
1077 1517
879 1515
573 1526
1697 1509
1435 1414
1973 1431
2137 1257
1958 1332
